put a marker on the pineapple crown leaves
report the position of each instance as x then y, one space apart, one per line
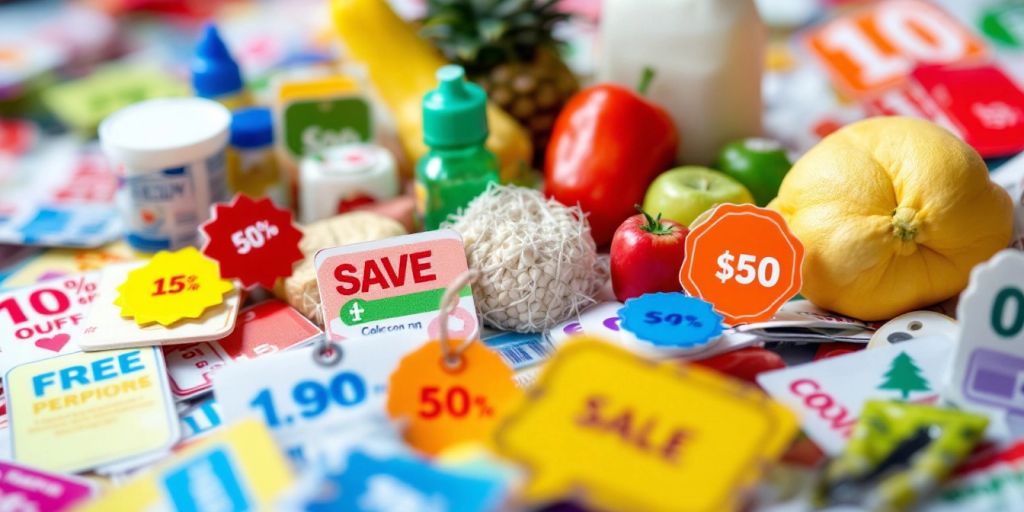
480 34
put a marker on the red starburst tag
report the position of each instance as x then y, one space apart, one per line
254 241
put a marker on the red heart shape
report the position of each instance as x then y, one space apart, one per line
55 343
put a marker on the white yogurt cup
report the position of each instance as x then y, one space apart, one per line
170 153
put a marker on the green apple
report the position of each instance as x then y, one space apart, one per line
683 193
759 164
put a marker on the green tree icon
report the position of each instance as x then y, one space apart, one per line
904 376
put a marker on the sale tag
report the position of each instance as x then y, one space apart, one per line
913 325
746 278
34 490
875 49
298 394
829 406
104 328
370 484
446 403
200 420
321 113
593 423
43 320
79 411
671 319
238 468
266 328
172 286
254 241
988 368
393 285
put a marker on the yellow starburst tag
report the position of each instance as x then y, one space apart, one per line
172 286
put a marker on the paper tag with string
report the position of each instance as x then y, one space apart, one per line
327 389
451 390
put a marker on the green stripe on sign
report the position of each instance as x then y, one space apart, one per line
359 311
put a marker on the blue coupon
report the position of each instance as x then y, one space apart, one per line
671 320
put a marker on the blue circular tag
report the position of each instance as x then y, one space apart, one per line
671 320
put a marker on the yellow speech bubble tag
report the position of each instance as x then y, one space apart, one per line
631 434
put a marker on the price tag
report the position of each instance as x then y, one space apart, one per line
593 424
671 319
444 404
43 320
263 329
80 411
299 395
237 468
393 285
172 286
104 328
877 48
988 368
254 241
746 278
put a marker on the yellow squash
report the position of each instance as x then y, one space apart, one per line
401 66
893 212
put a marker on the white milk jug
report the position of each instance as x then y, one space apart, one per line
708 58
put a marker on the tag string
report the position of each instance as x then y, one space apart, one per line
450 301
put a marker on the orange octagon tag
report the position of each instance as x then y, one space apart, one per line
447 406
744 261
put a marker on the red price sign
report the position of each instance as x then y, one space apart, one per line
744 261
877 48
254 241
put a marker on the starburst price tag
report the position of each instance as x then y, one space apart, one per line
745 261
172 286
450 402
254 241
671 320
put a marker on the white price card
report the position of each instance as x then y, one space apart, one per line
988 368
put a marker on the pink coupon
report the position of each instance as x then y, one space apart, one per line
42 320
393 285
261 329
23 488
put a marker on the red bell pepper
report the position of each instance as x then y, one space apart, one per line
608 145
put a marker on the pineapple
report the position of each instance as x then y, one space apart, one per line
507 47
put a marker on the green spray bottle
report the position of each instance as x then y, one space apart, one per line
458 167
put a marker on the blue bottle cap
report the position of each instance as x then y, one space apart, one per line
214 72
252 128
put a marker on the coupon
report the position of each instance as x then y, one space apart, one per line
394 285
84 410
262 329
43 320
829 406
32 489
238 468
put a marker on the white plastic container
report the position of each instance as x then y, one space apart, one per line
171 156
338 178
708 58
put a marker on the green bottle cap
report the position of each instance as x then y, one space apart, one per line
454 114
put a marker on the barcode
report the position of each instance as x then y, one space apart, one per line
524 354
